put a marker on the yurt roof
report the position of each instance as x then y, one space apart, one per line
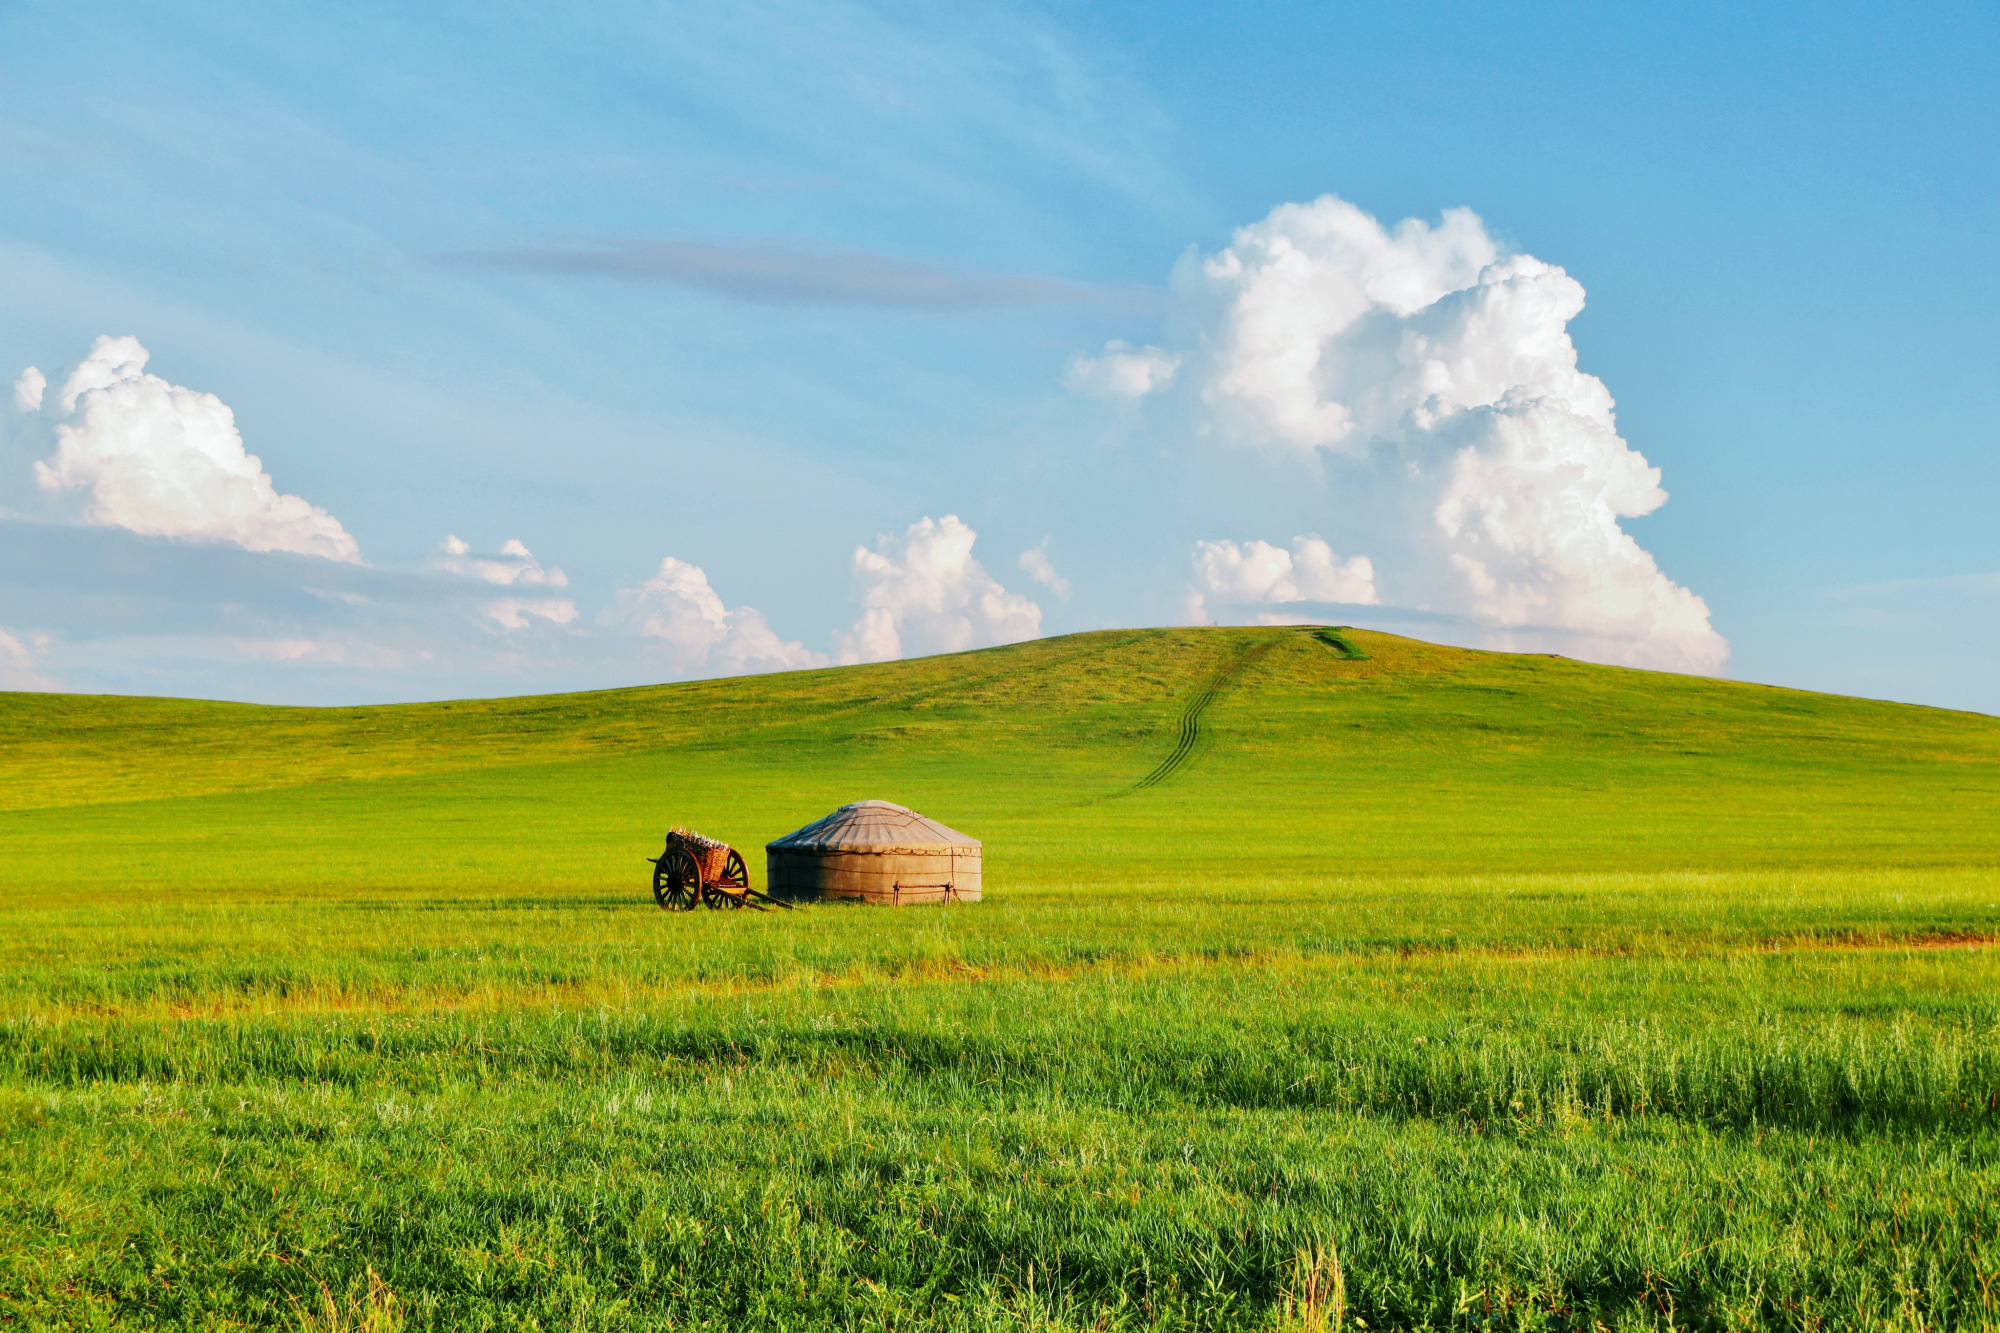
873 826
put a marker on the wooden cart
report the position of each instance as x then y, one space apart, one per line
694 869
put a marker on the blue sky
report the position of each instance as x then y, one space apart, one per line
746 287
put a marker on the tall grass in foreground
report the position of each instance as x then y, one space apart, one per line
1462 1040
1490 1146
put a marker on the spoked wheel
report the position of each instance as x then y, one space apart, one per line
677 880
731 888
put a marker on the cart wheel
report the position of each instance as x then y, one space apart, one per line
734 874
677 880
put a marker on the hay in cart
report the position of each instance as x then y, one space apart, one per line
875 852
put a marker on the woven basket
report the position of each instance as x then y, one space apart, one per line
712 856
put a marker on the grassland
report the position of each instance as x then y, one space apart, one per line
1427 989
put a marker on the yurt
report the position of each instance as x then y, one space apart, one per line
878 853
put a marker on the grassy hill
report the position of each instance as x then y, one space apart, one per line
1488 989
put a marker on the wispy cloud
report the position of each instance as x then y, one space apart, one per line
1975 584
102 608
800 275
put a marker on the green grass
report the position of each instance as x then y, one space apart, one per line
1429 988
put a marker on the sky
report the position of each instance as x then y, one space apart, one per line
384 352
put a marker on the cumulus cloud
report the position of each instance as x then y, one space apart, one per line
1529 513
920 593
514 567
925 593
1435 374
28 390
1035 560
162 460
677 609
1258 573
1123 371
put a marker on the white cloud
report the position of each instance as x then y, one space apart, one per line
28 390
1322 329
1258 573
1530 513
18 662
919 594
1436 376
1123 371
926 594
1035 560
678 609
162 460
515 564
513 612
515 567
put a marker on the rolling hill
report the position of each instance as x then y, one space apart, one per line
1417 758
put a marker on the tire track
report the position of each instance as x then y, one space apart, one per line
1190 729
